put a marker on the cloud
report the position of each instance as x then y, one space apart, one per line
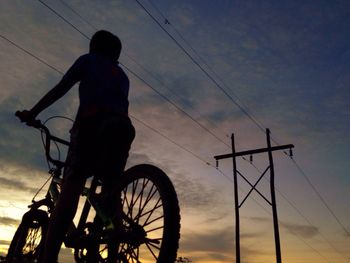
197 196
15 184
5 242
216 245
211 241
8 221
304 231
18 145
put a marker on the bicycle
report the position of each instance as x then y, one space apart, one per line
149 225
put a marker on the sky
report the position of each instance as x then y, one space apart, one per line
244 66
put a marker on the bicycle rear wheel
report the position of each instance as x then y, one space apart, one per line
29 237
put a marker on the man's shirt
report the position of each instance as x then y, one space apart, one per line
104 86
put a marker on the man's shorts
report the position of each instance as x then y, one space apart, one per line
99 146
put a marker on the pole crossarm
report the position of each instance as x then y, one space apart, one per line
256 151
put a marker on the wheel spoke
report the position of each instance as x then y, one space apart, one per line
150 213
154 220
150 249
150 195
155 229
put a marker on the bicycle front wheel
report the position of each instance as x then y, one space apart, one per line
28 240
152 216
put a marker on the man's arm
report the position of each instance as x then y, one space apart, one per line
72 76
53 95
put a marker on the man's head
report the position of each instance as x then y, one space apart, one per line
106 44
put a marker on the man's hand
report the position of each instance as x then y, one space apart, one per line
28 117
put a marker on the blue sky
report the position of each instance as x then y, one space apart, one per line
285 62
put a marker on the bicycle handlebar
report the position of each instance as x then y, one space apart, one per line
48 137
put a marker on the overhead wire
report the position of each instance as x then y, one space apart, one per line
321 197
260 126
63 18
31 54
77 14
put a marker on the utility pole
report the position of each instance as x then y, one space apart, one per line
271 202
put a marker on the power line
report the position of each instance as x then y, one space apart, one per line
310 223
240 107
172 141
54 11
31 54
320 197
78 15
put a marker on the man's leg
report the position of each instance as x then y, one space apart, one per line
62 217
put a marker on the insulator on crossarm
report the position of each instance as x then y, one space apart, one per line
290 153
251 158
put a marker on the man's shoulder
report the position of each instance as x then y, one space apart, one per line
84 57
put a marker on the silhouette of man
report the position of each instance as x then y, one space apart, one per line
101 135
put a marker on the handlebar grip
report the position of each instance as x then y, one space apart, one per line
18 114
25 116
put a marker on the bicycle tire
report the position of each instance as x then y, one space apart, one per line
29 237
168 247
147 185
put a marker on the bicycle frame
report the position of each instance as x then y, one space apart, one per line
53 190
